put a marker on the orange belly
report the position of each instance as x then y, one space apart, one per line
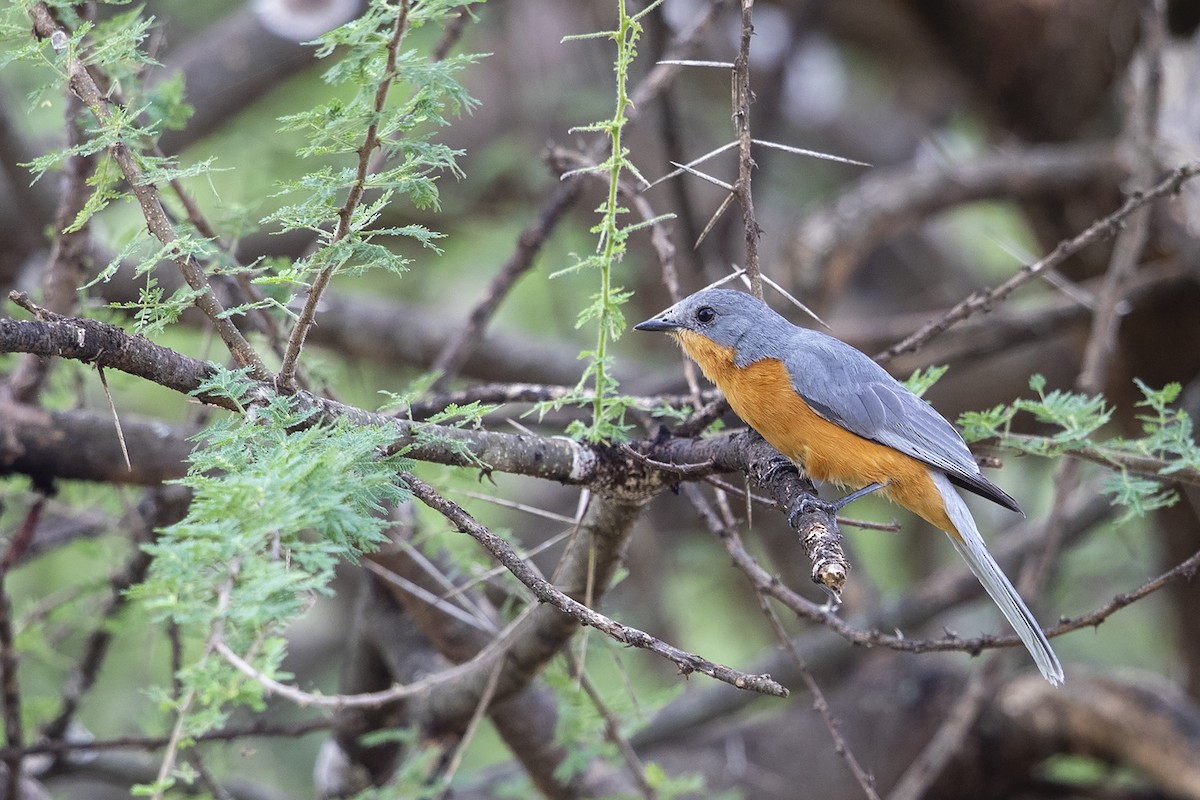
762 395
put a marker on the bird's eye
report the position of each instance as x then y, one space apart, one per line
705 314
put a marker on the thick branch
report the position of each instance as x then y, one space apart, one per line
607 470
83 445
1152 728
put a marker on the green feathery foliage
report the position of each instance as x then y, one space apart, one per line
1140 469
275 507
608 406
410 161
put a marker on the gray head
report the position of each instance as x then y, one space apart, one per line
729 318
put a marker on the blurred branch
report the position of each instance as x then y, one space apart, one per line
825 650
159 508
82 445
259 728
1100 229
69 254
950 737
526 719
10 686
35 203
833 239
1141 127
864 780
530 242
242 57
533 237
1051 314
1149 727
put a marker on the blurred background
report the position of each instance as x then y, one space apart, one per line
995 129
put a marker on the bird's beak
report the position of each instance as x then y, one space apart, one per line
659 323
665 321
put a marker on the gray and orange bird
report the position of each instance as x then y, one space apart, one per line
843 419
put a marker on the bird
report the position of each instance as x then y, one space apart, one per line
840 417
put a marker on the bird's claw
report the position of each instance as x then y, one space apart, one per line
777 466
808 504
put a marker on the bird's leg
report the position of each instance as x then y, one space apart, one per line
838 505
807 504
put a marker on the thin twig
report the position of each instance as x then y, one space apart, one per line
742 99
1146 465
251 730
485 699
762 500
865 781
612 731
547 593
950 736
1185 569
723 527
112 407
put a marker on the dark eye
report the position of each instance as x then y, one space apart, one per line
705 314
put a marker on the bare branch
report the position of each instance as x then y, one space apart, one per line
743 97
547 593
832 239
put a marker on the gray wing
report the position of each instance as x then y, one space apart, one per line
847 388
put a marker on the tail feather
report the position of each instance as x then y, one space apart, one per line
971 547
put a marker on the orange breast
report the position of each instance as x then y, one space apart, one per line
762 395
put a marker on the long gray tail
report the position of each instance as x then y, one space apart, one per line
973 550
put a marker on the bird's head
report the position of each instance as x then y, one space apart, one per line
723 316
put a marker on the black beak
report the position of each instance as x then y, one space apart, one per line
655 324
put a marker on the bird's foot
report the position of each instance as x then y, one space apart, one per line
778 465
807 504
